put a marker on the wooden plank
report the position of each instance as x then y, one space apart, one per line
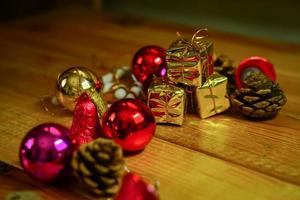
186 174
271 147
16 180
182 173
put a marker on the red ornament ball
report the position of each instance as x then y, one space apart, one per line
130 123
46 151
251 64
134 188
149 61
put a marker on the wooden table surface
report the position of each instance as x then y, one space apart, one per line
223 157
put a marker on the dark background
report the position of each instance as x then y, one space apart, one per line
267 19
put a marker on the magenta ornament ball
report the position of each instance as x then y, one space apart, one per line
46 151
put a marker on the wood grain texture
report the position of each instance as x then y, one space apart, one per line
224 156
183 174
16 180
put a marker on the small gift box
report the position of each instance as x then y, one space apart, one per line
190 62
211 96
167 102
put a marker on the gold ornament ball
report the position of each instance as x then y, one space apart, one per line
71 83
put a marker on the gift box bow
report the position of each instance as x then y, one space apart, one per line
165 99
184 55
166 105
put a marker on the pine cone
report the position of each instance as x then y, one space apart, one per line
99 165
260 98
223 65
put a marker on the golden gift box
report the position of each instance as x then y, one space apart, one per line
211 96
190 62
167 102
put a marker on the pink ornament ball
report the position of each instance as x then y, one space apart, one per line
46 151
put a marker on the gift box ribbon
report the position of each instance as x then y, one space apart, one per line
197 43
166 102
213 81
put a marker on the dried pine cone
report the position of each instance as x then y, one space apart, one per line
260 98
99 165
223 65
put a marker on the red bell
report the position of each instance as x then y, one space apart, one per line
86 125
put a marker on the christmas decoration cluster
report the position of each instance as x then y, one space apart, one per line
47 154
198 83
189 71
165 85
